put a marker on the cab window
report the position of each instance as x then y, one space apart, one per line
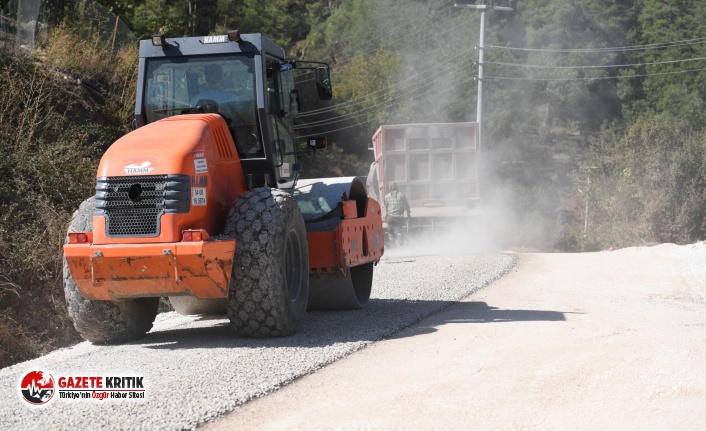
223 84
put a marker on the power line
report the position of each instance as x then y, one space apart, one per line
409 82
403 84
600 66
341 66
427 81
426 90
660 45
441 92
510 78
444 90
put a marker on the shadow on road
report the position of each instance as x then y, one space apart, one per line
480 312
382 318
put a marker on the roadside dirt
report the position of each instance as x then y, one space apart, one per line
611 340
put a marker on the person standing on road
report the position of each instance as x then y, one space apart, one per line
396 206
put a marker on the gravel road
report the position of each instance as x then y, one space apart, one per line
195 369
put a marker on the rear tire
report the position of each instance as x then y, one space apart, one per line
269 289
104 321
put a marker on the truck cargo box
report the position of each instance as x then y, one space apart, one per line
434 165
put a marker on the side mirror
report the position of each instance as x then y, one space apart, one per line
323 83
317 143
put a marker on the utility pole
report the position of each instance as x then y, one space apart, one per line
483 8
588 188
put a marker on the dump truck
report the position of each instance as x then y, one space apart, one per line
202 202
434 165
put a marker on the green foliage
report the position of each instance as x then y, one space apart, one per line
393 62
48 160
284 21
114 71
52 132
579 97
675 87
649 186
367 89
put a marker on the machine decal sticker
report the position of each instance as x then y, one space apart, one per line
200 166
215 39
141 169
198 196
284 170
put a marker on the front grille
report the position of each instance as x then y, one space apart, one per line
133 206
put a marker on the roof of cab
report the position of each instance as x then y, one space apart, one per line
203 45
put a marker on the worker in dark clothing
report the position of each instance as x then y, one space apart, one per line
396 206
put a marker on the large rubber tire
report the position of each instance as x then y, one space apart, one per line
269 289
189 305
104 321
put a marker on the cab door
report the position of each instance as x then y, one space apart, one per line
282 105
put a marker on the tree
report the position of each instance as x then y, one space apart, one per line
670 85
570 37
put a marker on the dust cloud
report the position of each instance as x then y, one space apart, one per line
436 84
491 229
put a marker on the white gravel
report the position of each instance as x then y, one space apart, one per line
195 368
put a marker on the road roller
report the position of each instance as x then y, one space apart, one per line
203 204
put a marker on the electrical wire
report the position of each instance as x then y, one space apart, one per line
644 75
403 84
408 90
441 92
411 86
342 65
386 105
605 66
398 101
661 45
409 82
600 66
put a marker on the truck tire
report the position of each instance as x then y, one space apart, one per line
269 288
189 305
104 322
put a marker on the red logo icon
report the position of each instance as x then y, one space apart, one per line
37 387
